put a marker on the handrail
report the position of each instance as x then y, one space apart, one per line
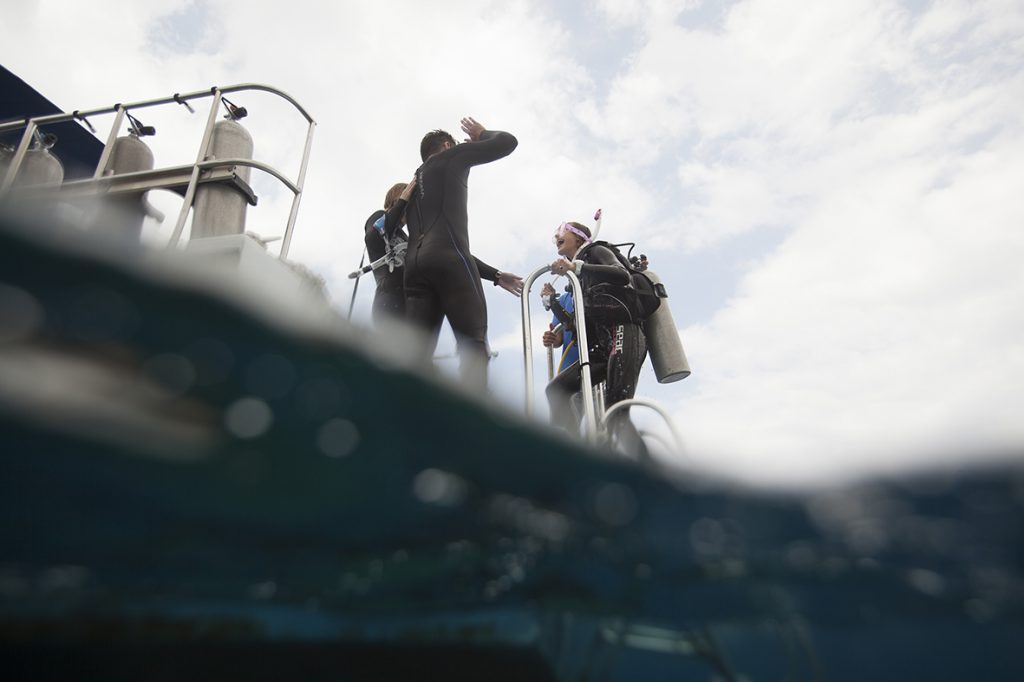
190 192
644 402
524 302
551 352
258 165
202 162
589 418
173 99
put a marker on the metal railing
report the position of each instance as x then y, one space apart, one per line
644 402
589 417
201 164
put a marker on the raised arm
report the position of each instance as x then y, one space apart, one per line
393 216
483 146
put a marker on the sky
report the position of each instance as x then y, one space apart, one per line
832 192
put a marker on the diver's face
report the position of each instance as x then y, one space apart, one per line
567 244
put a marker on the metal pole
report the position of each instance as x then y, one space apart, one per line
19 155
589 420
190 193
352 303
551 353
286 244
108 148
599 402
528 335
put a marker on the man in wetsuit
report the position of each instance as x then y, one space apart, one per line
442 279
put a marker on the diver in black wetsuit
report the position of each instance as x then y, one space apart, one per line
389 299
442 279
617 350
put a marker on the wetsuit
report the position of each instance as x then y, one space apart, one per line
442 279
617 352
389 299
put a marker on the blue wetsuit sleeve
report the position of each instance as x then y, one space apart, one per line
492 145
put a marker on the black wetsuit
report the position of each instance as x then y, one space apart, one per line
389 299
617 352
442 279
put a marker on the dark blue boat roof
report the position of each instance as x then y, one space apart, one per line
77 148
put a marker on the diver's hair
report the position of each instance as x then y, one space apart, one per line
392 196
433 142
582 228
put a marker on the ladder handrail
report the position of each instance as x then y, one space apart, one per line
589 417
551 353
30 125
644 402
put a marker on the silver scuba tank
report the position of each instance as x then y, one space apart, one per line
663 341
122 216
129 154
39 167
220 209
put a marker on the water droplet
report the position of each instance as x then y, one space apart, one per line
264 590
926 582
615 504
707 537
248 418
439 487
337 438
174 372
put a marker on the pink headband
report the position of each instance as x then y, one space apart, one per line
570 228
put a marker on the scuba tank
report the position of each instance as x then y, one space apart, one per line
663 341
219 209
123 216
39 167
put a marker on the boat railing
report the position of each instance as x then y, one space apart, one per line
183 179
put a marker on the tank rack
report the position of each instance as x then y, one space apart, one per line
174 179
